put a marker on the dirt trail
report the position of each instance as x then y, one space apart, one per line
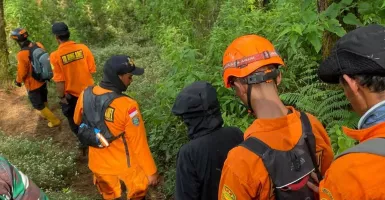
17 117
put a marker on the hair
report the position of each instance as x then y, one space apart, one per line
65 37
373 83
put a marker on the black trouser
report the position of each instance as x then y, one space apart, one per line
38 96
69 111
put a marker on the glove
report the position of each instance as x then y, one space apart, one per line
17 84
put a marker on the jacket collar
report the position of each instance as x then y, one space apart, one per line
273 124
69 42
362 135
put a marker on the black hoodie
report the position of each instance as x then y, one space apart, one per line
200 161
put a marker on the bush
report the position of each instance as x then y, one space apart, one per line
44 162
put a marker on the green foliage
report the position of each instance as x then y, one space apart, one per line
46 164
179 42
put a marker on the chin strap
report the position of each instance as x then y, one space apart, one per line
250 108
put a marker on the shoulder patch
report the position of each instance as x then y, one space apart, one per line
328 193
109 114
228 194
133 112
136 121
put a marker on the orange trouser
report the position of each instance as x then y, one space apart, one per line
109 185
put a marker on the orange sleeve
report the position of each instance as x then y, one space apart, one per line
56 69
90 60
328 188
23 65
137 140
233 184
324 149
79 110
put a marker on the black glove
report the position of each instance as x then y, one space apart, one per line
17 84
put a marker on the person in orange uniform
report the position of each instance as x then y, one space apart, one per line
357 63
111 164
73 65
282 146
37 91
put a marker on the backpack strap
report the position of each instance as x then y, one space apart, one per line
374 146
256 146
310 142
107 99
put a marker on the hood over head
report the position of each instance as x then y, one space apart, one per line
199 108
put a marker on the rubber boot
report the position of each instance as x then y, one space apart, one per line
53 120
41 115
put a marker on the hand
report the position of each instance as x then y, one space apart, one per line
17 84
313 186
63 100
153 179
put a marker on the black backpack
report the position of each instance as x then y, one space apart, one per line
94 109
41 66
289 170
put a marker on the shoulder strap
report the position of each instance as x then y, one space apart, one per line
374 146
311 146
256 146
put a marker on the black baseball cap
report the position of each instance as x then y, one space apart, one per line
60 28
359 52
121 64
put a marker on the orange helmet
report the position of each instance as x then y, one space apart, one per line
246 54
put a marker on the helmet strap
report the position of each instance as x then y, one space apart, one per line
256 78
249 87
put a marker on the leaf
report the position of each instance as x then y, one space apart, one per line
364 8
351 19
346 2
335 27
332 11
383 5
306 4
284 32
297 28
309 16
315 41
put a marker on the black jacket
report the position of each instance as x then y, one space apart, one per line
200 161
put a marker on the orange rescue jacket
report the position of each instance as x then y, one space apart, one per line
73 63
123 115
356 175
244 175
24 70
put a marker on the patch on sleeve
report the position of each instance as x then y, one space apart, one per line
328 193
228 194
136 121
133 112
109 114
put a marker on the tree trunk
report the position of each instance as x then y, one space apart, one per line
328 39
4 62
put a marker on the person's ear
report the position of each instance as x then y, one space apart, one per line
351 83
242 89
279 78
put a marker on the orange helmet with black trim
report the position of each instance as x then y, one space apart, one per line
19 34
246 54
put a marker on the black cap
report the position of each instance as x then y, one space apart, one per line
122 64
359 52
60 28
